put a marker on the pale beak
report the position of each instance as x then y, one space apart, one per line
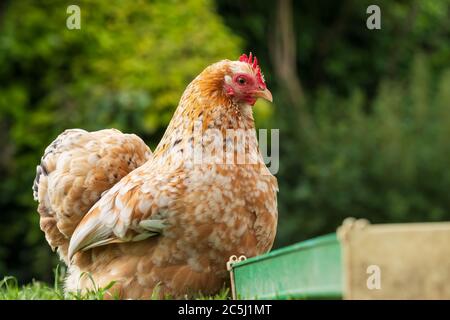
265 94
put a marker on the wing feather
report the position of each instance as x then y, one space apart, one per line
131 211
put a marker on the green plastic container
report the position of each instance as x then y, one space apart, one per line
307 270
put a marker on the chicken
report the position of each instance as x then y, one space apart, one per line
168 227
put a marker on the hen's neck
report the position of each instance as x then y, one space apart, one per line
209 121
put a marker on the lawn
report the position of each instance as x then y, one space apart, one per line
37 290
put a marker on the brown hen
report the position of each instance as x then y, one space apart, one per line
168 227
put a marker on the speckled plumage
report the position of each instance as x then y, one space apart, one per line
171 224
76 168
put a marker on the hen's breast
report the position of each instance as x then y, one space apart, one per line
226 210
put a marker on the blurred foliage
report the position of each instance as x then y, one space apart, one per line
126 68
386 165
369 139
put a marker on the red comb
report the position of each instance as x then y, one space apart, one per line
253 61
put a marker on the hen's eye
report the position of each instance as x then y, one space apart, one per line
241 81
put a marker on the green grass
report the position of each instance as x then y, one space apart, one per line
36 290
